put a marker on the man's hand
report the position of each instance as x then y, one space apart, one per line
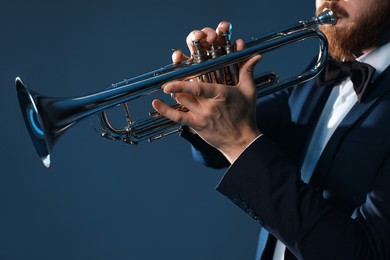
223 115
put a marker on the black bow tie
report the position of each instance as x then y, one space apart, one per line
336 71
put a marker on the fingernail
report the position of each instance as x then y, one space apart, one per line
168 89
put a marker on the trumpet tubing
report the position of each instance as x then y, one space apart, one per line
47 118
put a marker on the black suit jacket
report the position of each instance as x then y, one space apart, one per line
344 213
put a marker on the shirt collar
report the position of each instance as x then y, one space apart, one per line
378 58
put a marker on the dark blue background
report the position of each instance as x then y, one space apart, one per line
101 199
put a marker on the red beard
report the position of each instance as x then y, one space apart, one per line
363 34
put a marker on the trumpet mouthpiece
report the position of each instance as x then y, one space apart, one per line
327 17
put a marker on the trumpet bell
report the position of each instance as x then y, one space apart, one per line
28 105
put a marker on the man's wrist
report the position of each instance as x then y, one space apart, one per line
233 152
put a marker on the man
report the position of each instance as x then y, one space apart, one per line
310 163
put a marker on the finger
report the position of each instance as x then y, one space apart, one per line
223 30
188 101
178 56
171 113
194 36
240 44
223 27
210 35
197 89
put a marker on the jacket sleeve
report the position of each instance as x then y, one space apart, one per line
204 153
266 184
276 103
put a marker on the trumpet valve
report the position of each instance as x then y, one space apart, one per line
199 54
214 51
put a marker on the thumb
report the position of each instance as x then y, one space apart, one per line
246 71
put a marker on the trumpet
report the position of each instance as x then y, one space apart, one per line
47 118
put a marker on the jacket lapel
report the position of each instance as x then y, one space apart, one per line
381 86
306 103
